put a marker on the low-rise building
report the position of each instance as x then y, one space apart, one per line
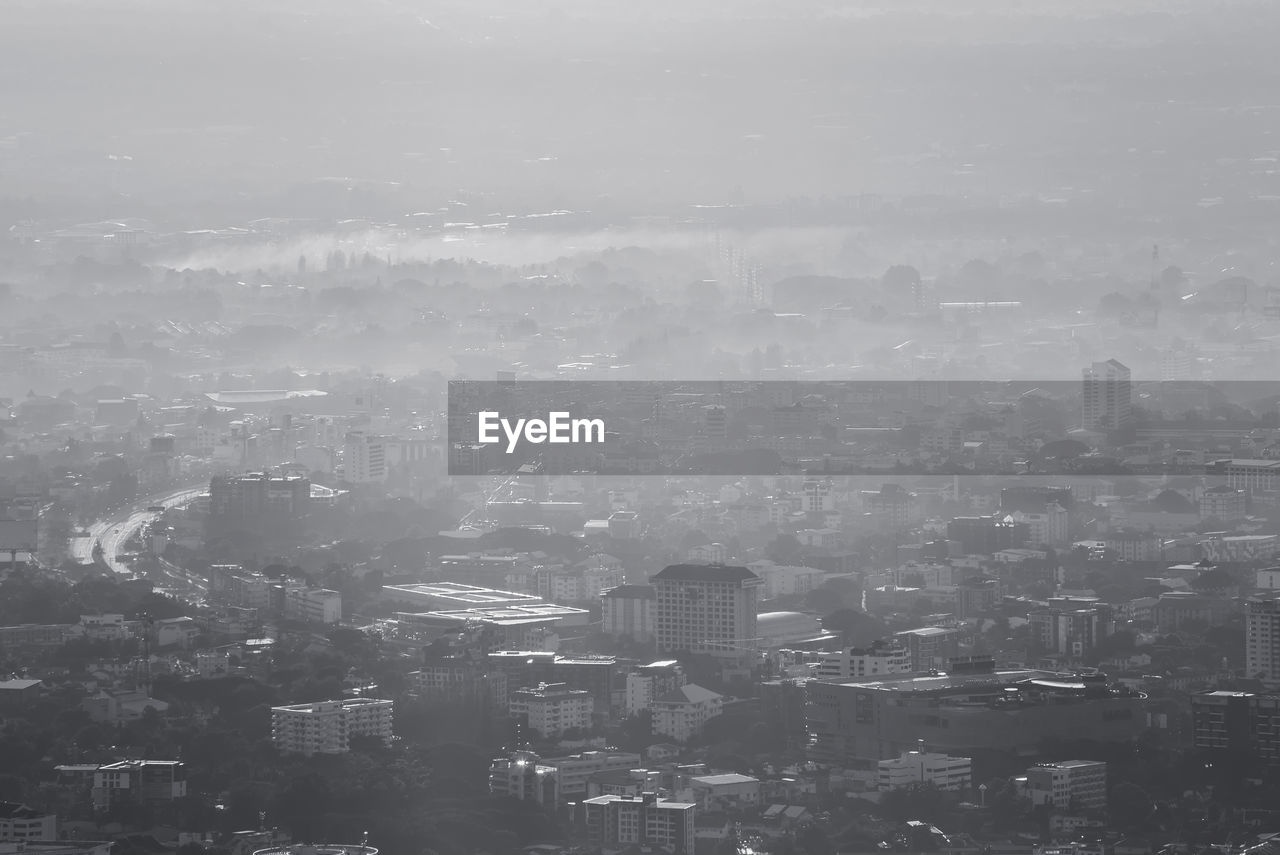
680 715
615 823
923 767
22 822
1071 784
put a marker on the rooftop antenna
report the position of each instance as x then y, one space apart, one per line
1155 264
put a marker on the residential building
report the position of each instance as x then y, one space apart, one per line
645 683
707 609
22 822
1225 503
326 727
724 791
628 612
1240 725
1262 639
597 674
364 458
852 663
681 714
1069 785
1107 397
1175 610
312 605
525 775
924 767
17 694
136 781
893 508
930 647
615 823
550 709
1070 631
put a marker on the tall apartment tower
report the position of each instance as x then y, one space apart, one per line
1107 400
706 608
1262 639
364 458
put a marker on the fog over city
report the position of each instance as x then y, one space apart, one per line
684 427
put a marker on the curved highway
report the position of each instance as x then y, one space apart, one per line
114 531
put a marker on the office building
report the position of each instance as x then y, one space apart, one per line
615 823
133 781
708 609
326 727
1107 397
597 674
1069 785
923 767
1242 727
1253 476
893 508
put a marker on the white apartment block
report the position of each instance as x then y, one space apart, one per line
922 767
364 458
649 682
326 727
21 822
552 708
856 662
680 715
313 605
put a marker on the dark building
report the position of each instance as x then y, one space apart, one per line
986 535
782 708
1241 726
970 708
1032 499
258 502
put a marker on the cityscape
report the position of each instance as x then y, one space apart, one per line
686 428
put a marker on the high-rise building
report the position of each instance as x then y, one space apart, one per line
364 458
619 822
1262 639
326 727
1069 628
1241 726
1107 400
707 608
627 612
258 502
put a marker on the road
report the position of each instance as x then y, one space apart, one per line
114 531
